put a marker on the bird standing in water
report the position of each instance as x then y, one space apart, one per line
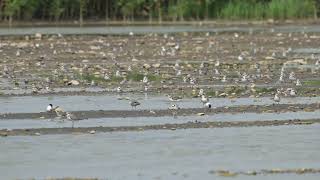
50 108
134 103
72 118
276 98
204 99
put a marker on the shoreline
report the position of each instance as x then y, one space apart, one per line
188 125
275 108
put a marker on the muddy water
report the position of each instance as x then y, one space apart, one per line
153 29
78 103
141 121
181 154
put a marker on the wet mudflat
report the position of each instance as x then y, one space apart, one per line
33 104
180 154
94 74
143 121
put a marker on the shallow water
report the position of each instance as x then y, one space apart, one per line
141 121
153 29
307 50
180 154
108 102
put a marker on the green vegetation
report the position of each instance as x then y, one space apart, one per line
312 83
265 90
90 77
154 10
275 9
136 76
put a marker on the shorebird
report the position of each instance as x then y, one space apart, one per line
217 63
146 88
244 77
298 83
118 73
178 73
174 107
72 118
59 111
204 99
216 72
276 98
50 108
292 92
35 89
292 76
106 77
174 98
224 79
134 103
145 79
208 105
240 57
119 90
201 92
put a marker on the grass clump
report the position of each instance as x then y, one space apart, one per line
136 76
236 10
90 77
265 90
312 83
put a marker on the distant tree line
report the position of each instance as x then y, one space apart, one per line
154 10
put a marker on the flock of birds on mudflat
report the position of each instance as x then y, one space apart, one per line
174 107
189 78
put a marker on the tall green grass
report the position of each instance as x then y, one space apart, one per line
275 9
243 10
284 9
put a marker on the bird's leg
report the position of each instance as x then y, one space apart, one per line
72 124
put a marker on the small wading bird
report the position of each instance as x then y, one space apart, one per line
72 117
174 108
50 108
276 98
208 105
174 98
134 103
59 112
204 99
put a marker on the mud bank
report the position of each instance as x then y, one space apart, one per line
189 125
276 108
